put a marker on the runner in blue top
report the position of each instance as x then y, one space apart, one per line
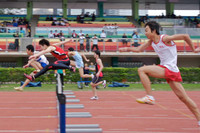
38 63
78 62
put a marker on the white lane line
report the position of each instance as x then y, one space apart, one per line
170 118
35 108
38 117
28 131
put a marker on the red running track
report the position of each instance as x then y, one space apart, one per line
115 112
28 112
118 112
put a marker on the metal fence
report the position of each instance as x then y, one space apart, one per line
104 45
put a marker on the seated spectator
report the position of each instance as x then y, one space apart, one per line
51 35
56 34
82 18
74 35
15 24
51 18
54 18
93 17
62 23
53 23
124 41
64 20
47 18
136 38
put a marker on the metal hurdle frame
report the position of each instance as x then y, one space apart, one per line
62 107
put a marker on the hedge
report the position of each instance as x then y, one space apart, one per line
8 75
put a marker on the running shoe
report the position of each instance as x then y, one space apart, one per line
18 88
104 84
94 98
146 100
73 69
29 77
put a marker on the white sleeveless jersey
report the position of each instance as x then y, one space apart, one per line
41 59
167 54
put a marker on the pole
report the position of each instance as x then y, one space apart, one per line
62 101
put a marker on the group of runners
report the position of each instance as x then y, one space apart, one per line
163 45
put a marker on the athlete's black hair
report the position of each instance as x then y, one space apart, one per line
30 47
70 49
97 52
44 42
153 25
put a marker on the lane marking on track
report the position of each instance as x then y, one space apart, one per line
27 131
184 114
38 117
1 108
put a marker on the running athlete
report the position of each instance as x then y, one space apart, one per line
78 62
62 62
97 80
38 63
165 47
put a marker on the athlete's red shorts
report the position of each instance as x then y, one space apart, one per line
172 76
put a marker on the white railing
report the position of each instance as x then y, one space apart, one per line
104 45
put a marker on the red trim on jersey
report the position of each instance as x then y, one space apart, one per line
158 41
167 44
172 76
59 53
98 67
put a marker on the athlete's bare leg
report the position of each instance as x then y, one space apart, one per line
182 95
153 71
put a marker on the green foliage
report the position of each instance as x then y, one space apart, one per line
189 75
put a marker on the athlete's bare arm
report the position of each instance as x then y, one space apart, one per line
85 58
99 62
63 42
48 50
136 49
184 37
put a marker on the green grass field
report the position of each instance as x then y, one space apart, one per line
73 87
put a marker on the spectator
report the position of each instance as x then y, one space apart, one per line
105 28
86 71
124 41
69 30
15 23
50 35
64 20
29 30
51 18
115 28
93 17
53 23
56 34
82 18
87 43
47 18
16 43
103 34
81 33
136 38
61 36
95 42
74 35
81 41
